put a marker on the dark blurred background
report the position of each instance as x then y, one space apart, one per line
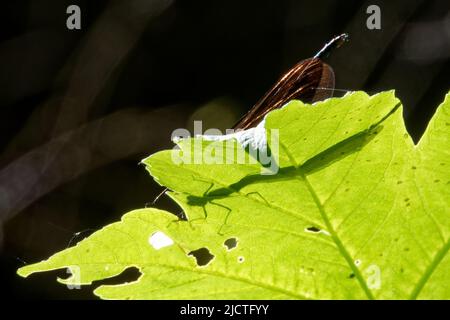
80 108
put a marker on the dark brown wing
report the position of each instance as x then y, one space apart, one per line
308 81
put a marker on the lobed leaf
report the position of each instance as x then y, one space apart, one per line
356 211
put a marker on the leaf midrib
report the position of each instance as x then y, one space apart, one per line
440 255
343 251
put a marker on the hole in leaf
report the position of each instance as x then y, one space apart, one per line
351 276
130 274
241 259
202 256
230 243
313 229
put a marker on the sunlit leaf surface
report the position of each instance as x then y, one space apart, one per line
356 211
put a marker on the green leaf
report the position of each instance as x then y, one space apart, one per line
356 211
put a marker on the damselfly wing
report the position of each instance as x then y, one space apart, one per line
309 80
